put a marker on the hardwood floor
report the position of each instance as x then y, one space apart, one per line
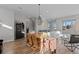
19 47
61 49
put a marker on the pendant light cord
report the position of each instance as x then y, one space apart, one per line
39 9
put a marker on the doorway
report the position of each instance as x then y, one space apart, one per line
19 33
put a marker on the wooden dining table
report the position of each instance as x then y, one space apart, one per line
40 41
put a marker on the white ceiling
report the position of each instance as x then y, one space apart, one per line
46 11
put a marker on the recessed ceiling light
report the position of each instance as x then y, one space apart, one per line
47 11
20 8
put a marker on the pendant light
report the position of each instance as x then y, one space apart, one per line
39 17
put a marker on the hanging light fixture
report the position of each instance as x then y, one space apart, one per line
39 17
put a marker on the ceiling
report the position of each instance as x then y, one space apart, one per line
46 10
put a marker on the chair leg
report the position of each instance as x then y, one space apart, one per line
71 47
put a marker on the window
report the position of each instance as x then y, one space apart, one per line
68 23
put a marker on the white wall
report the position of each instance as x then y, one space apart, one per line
19 17
7 18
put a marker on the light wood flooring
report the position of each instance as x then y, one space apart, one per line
19 47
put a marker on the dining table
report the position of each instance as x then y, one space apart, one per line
41 41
